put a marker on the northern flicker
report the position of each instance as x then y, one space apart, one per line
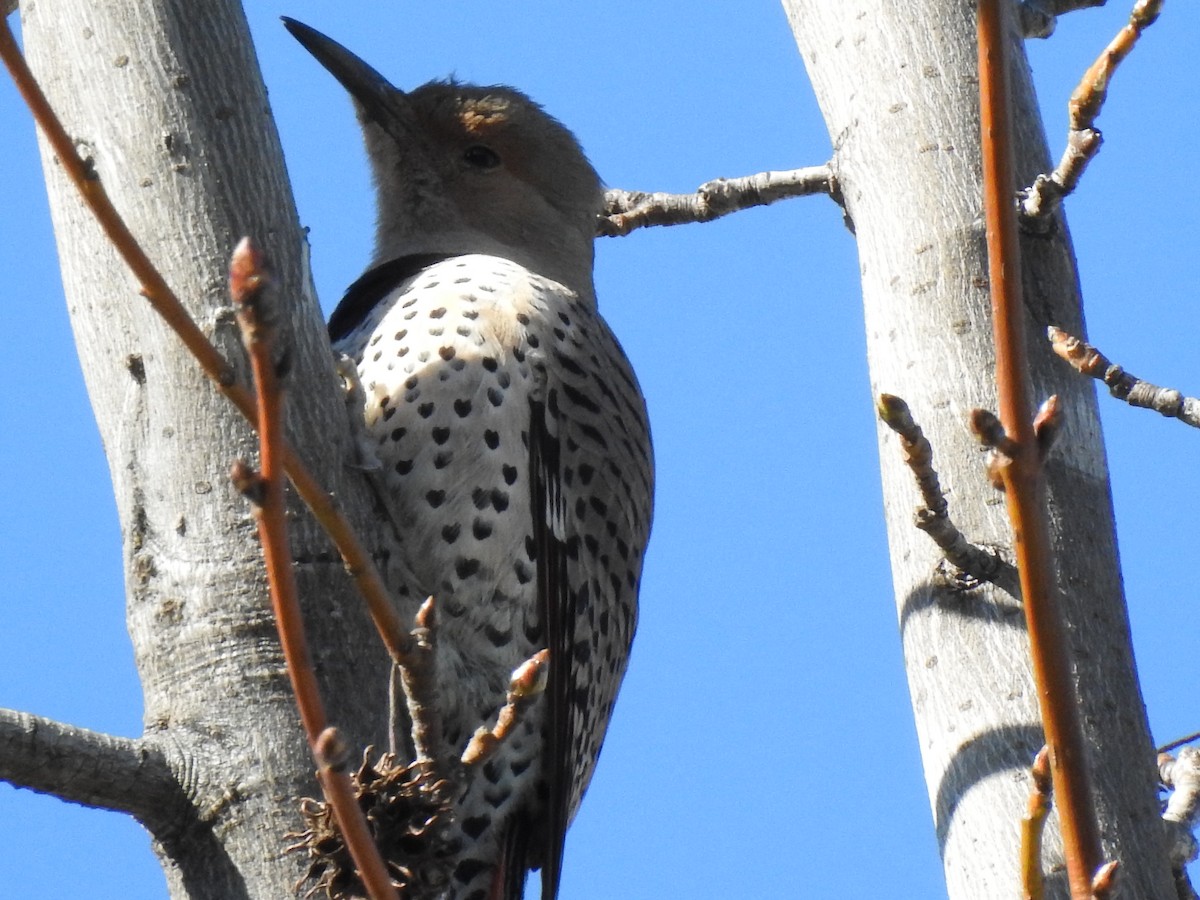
512 435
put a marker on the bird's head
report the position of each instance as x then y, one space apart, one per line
465 168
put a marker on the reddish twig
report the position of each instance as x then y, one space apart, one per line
1033 827
1022 472
1083 138
164 301
1087 360
256 316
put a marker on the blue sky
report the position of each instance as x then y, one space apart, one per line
763 737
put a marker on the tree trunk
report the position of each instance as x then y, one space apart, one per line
166 100
898 88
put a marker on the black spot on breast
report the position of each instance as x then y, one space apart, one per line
398 433
580 509
533 341
489 363
412 396
450 533
462 407
442 459
495 397
411 314
463 331
523 318
599 506
481 529
492 439
476 825
586 473
446 353
593 545
464 567
509 473
564 318
499 499
403 467
403 351
425 410
471 314
435 498
496 636
437 313
388 413
523 572
437 332
530 548
440 435
468 869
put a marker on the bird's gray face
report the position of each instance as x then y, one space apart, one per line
464 168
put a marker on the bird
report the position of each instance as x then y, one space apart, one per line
511 434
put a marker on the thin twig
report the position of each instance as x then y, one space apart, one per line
154 288
1087 360
528 681
1022 474
419 677
1083 138
1033 827
249 285
626 211
933 517
1179 742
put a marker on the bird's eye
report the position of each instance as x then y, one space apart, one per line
480 157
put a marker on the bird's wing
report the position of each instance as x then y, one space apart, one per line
556 606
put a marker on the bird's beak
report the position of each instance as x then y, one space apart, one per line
378 100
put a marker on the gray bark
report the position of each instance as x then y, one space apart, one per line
898 89
166 100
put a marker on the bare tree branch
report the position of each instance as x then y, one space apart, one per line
129 775
978 564
1087 360
626 211
1083 139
